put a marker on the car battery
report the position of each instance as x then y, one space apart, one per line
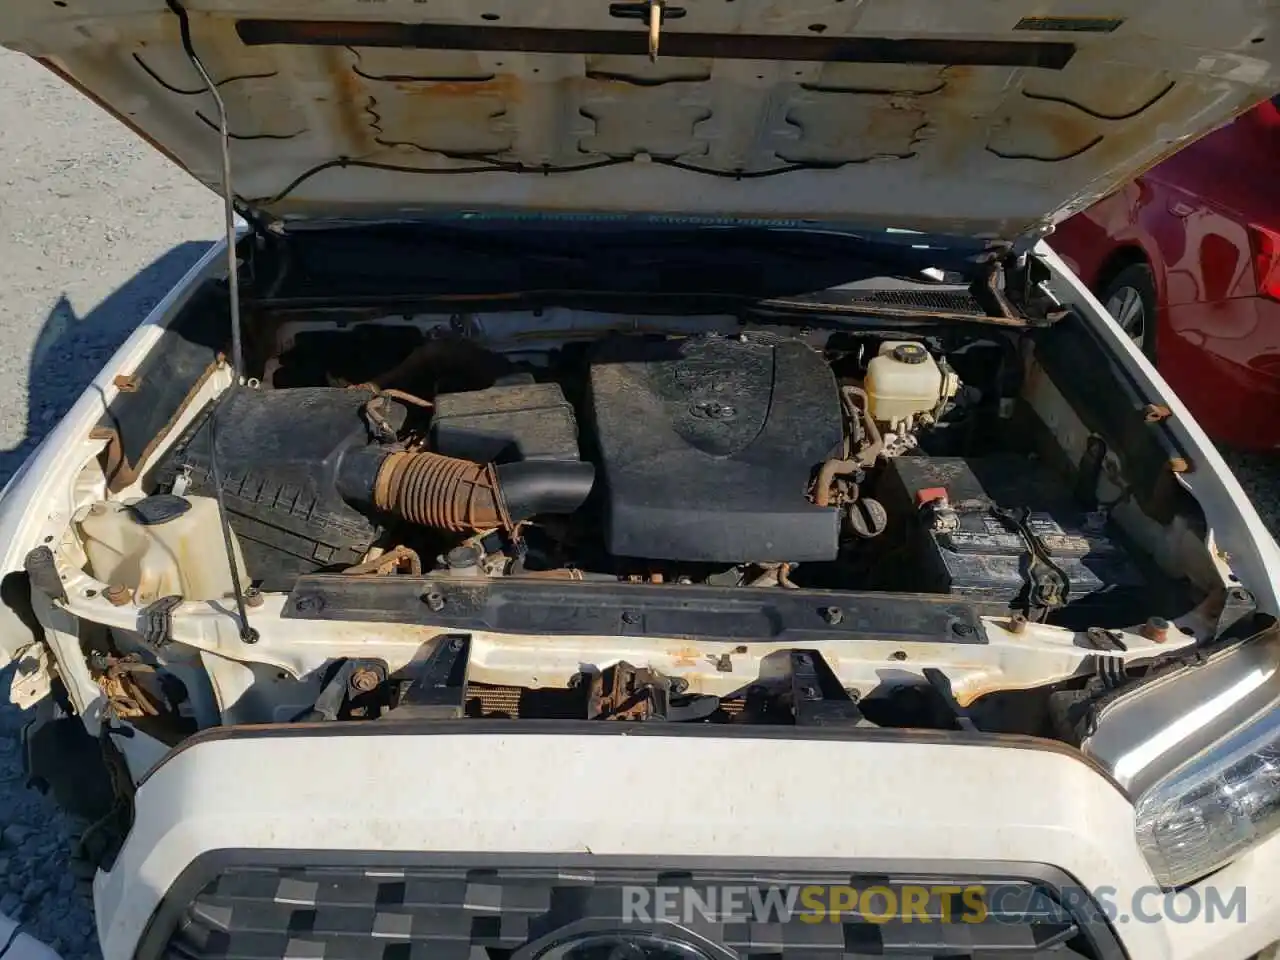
983 529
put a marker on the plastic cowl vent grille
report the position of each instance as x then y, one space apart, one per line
433 913
951 301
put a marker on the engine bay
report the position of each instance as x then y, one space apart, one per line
558 513
764 457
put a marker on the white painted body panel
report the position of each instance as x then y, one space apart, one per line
1236 528
529 793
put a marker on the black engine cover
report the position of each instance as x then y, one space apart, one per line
707 447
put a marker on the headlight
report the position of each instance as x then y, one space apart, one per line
1212 809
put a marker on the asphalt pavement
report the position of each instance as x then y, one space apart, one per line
95 226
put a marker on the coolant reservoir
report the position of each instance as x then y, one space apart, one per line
160 546
903 380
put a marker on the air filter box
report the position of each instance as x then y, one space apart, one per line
524 421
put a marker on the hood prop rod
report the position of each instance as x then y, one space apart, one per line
228 197
247 633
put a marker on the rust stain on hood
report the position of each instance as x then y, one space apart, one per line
940 117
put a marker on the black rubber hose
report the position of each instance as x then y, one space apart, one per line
357 474
533 487
458 495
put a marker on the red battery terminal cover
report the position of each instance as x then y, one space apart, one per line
931 495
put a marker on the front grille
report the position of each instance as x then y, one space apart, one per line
441 913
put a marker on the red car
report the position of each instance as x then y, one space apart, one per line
1187 259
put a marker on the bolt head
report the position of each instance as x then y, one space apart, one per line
1156 629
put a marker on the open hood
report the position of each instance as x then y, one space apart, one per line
991 118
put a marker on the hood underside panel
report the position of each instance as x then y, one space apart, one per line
979 117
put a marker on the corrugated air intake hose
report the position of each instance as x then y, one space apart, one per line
460 495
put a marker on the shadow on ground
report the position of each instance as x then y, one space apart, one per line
70 349
36 886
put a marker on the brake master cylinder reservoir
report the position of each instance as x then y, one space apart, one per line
904 380
159 546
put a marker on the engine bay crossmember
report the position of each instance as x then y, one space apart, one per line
517 606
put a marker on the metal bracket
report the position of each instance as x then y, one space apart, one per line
376 412
355 686
817 698
42 571
625 692
157 622
1236 605
438 688
1110 671
942 686
329 702
1109 641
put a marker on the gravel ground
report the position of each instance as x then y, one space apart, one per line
94 228
1259 474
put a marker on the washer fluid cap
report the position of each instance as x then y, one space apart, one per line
158 508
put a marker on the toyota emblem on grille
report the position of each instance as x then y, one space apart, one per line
622 942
